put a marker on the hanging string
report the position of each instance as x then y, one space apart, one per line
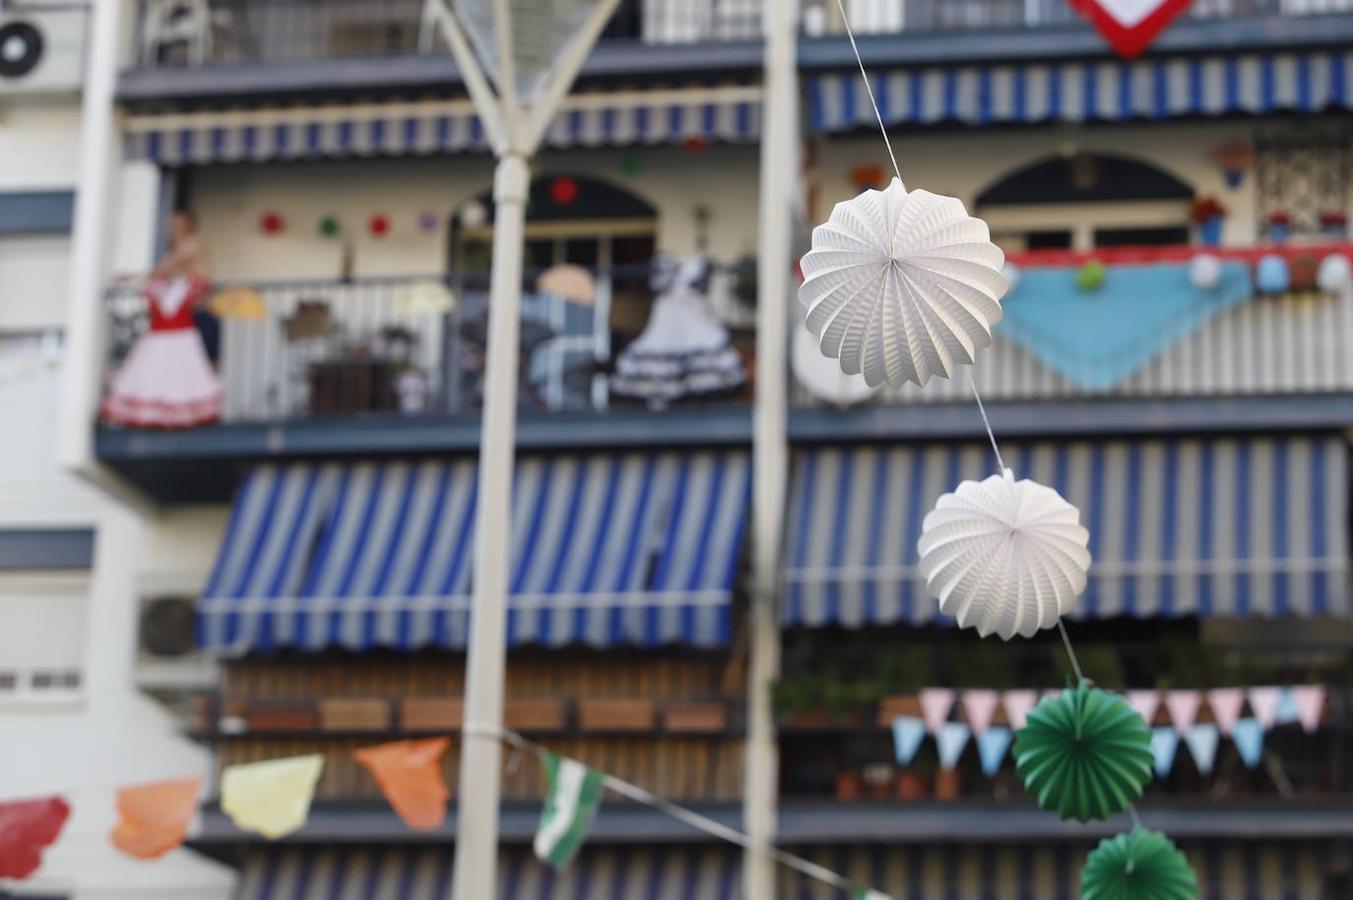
1071 652
676 811
991 435
868 88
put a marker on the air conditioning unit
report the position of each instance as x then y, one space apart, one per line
167 658
41 51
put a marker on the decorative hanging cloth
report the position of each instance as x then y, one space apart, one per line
683 351
166 381
1098 339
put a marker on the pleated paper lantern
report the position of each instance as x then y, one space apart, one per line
1004 556
1084 754
902 285
1138 865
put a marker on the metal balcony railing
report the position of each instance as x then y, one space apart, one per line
297 349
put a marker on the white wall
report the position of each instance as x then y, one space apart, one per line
230 201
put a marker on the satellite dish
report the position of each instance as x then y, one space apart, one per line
821 375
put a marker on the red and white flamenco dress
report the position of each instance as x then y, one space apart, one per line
166 381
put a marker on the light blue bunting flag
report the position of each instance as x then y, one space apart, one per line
1164 745
1289 710
1248 735
952 738
907 734
992 745
1202 739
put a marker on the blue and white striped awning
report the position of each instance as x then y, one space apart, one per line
424 873
607 549
426 127
1181 527
1208 85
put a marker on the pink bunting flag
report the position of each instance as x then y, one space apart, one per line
1225 704
1264 704
1017 706
1183 709
1311 704
979 707
936 704
1145 703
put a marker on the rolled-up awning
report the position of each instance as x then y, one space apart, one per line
424 873
425 127
1091 90
1178 527
607 549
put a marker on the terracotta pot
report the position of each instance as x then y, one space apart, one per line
912 786
849 786
948 784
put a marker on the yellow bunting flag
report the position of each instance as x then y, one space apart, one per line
272 797
237 303
410 774
155 817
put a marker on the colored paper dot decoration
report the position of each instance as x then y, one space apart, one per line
1139 865
563 191
1084 753
632 164
379 225
271 223
329 227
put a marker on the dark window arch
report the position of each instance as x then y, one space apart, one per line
595 199
1085 178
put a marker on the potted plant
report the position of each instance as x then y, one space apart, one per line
1207 213
1279 226
1334 222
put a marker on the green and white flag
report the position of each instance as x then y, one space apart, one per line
870 894
571 802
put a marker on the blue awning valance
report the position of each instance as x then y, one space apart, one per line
1153 88
426 127
1190 527
607 549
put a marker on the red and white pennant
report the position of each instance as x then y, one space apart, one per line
1130 25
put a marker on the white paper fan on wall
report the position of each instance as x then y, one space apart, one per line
901 285
822 377
1004 556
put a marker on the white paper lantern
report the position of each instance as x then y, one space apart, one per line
902 285
822 377
473 215
1205 271
1011 273
1335 275
1004 556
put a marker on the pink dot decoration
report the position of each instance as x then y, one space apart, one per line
428 222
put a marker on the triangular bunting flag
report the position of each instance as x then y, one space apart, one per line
1287 711
1248 736
154 818
1146 703
271 797
1129 26
1183 708
1017 706
1310 700
410 776
571 802
1225 704
27 827
1264 705
978 709
907 734
953 737
1164 745
992 745
1202 740
869 894
936 704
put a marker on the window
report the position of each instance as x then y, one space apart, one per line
42 637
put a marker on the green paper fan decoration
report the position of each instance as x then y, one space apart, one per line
1084 753
1091 275
1139 865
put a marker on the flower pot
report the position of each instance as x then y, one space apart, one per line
849 786
948 784
912 786
1335 230
1209 232
1278 231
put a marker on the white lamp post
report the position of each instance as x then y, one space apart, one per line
518 59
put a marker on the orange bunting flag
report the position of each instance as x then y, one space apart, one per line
410 774
155 817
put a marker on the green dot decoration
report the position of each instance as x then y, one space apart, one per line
328 227
1139 865
1084 753
1090 277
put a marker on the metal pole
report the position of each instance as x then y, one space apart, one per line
770 451
481 755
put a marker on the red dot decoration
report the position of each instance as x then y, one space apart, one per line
695 144
379 225
271 223
563 191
